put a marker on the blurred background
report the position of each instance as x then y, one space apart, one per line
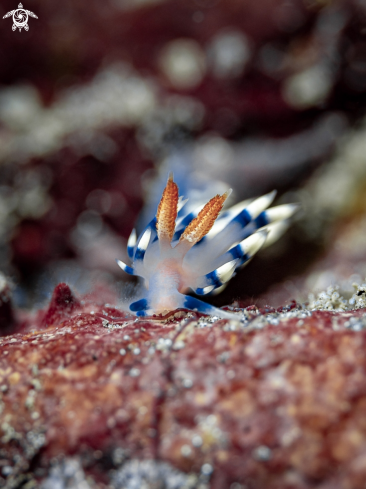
99 100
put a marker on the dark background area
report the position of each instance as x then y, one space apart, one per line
97 100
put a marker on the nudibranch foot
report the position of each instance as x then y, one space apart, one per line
143 309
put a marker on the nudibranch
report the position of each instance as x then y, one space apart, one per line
199 251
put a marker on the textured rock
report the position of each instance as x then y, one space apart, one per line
274 399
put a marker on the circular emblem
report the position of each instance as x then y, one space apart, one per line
20 19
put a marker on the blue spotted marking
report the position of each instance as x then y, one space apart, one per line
139 255
152 226
243 260
212 278
130 252
125 267
193 303
261 220
189 217
183 224
202 240
237 252
178 234
243 218
140 251
140 305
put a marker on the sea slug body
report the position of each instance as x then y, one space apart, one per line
199 251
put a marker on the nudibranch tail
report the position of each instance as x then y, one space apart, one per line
167 211
201 225
200 306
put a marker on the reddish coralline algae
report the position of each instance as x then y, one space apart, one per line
275 399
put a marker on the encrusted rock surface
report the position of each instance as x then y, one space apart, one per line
275 399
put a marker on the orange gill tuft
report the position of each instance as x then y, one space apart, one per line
167 211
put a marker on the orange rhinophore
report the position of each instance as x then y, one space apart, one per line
167 211
206 218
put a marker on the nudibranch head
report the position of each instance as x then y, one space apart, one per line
200 250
